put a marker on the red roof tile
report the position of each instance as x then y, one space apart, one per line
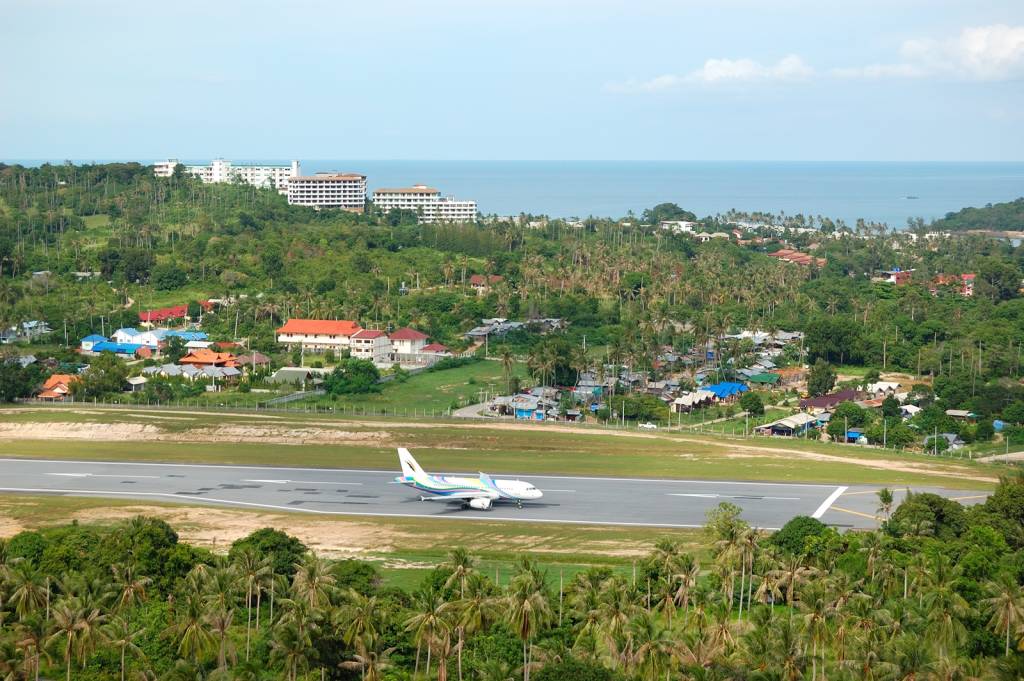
406 333
320 327
369 333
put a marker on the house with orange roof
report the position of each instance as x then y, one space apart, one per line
205 357
318 335
57 387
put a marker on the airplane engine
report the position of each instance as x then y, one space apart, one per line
480 504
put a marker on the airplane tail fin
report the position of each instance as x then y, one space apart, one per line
410 468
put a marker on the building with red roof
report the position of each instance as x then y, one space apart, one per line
57 387
204 357
480 283
371 344
406 341
166 314
318 335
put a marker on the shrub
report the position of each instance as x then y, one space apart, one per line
793 536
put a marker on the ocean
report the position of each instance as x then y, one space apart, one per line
874 191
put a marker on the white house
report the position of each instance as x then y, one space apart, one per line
125 335
371 344
406 341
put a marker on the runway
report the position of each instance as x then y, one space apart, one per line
567 499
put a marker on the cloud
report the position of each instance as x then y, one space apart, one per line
984 53
790 67
720 71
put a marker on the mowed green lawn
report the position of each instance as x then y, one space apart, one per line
460 446
430 391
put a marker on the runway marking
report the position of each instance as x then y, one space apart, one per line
297 509
303 482
975 496
102 475
862 515
829 501
392 472
730 496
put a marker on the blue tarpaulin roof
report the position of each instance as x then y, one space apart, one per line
116 348
726 389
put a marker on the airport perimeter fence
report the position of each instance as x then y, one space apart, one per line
742 430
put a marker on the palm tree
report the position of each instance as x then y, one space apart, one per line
814 601
528 611
360 620
69 628
370 659
1005 605
31 637
130 589
507 366
28 590
313 581
461 565
944 612
252 571
220 622
474 612
428 620
885 501
290 647
652 644
122 636
191 627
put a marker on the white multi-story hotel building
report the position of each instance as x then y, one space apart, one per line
329 190
222 170
427 202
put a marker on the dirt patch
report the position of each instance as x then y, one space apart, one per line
217 529
748 451
118 432
9 526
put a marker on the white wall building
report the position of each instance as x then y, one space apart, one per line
329 190
222 170
318 335
371 344
427 201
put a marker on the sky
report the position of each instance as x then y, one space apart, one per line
901 80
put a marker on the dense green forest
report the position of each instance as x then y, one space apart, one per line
1007 216
625 285
934 594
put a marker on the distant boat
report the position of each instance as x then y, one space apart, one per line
911 197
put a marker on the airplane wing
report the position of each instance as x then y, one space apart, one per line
460 496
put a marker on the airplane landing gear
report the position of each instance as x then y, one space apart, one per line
519 504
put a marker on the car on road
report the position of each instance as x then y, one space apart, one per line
648 426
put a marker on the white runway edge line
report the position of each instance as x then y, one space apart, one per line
288 509
825 505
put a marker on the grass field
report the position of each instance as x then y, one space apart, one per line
298 439
433 390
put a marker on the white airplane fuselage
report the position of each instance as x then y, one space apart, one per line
479 493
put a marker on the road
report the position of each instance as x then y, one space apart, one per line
584 500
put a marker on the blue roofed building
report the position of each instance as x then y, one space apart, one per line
725 390
91 340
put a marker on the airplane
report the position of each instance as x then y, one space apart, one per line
478 493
